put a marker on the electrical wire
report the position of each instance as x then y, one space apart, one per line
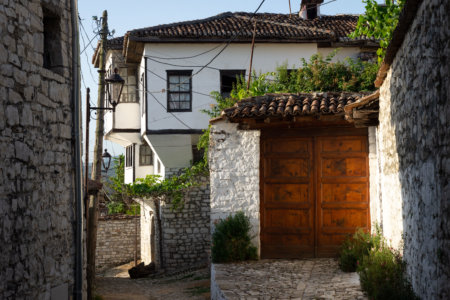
185 57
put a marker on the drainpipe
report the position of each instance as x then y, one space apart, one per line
78 290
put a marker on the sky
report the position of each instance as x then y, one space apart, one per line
131 14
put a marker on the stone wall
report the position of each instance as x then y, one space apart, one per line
234 172
116 240
37 202
414 150
185 233
185 236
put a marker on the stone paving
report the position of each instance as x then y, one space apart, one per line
285 279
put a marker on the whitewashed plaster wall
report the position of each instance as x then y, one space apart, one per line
147 231
414 150
236 56
234 174
375 203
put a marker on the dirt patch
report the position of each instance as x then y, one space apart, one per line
115 284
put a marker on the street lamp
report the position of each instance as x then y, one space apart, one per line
114 86
106 160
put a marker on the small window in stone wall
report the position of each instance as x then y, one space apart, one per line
52 54
145 155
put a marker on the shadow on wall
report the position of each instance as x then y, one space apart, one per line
419 118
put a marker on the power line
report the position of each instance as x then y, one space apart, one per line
186 57
175 65
229 42
85 46
156 99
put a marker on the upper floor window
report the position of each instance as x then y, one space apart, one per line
129 156
145 155
52 52
179 90
228 78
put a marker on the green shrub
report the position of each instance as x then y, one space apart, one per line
383 275
356 247
231 240
135 209
116 207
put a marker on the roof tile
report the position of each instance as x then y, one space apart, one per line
269 27
290 105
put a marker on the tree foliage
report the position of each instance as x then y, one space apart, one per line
379 22
117 182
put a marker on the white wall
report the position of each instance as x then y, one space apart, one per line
237 56
142 171
173 150
342 54
234 174
128 175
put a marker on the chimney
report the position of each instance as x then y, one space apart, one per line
310 9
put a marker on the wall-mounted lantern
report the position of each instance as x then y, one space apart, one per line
114 87
106 160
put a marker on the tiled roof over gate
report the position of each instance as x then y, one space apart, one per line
269 27
291 105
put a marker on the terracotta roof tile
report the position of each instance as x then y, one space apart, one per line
270 27
290 105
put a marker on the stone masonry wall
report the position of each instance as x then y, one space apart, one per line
234 172
185 233
116 240
185 239
414 149
36 154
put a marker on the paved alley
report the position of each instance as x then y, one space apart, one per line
286 279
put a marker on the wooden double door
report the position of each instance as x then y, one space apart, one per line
314 190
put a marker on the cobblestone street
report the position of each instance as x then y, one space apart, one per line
287 279
116 285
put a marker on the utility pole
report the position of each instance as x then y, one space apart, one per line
251 57
97 160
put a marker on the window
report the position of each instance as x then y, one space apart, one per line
179 91
129 156
145 155
228 78
159 167
52 53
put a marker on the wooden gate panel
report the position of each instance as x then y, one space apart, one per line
342 190
287 206
314 192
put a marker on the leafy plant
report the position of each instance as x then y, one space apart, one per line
133 209
231 240
172 189
379 22
356 247
117 182
115 207
383 275
317 74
